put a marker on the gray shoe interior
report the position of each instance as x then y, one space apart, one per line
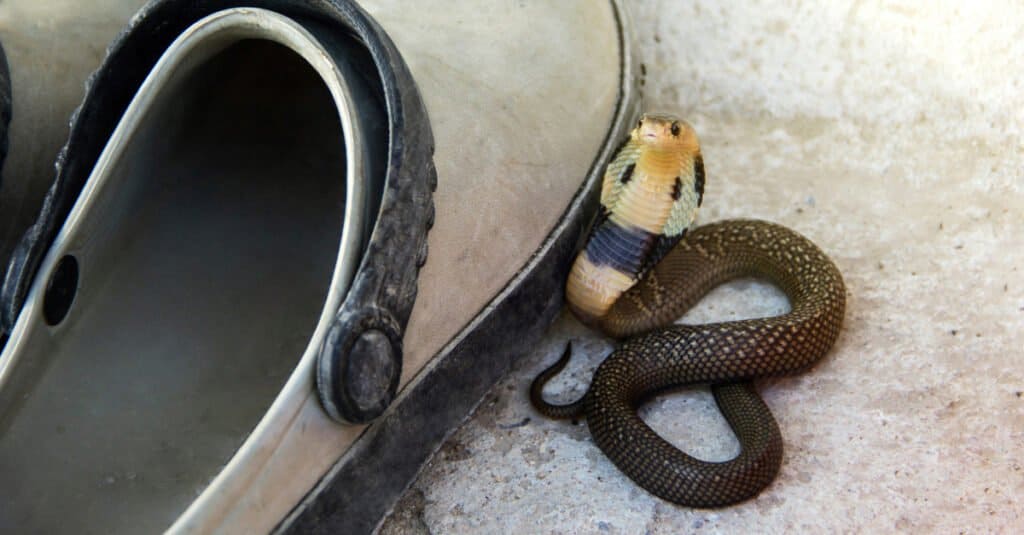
202 272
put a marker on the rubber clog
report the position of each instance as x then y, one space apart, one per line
211 355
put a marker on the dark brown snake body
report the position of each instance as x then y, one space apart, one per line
727 355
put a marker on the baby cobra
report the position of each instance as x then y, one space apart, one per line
661 355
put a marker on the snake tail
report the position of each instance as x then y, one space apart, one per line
559 412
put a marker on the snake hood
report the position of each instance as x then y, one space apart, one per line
650 196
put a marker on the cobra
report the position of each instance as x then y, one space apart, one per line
642 268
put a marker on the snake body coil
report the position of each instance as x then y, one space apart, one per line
727 355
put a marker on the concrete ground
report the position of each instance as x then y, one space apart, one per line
889 132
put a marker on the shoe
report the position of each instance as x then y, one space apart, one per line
203 327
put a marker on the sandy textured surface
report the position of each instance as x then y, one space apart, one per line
889 133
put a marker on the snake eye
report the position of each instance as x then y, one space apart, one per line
675 129
640 122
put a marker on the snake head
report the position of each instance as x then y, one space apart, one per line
666 133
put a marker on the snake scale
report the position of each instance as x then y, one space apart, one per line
641 269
